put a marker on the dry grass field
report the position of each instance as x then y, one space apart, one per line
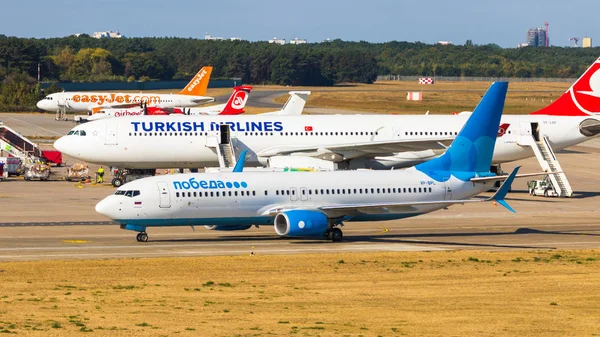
441 98
538 293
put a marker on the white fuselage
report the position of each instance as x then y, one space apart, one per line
190 142
88 101
252 198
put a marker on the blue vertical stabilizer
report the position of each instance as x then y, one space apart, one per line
471 152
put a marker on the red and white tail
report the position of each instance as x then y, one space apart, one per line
582 98
237 101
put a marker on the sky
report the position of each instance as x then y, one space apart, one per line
483 21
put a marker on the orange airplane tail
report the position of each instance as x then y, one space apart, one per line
199 83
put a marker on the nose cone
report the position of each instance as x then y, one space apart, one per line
61 145
106 207
40 104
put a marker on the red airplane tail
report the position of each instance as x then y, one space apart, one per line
582 98
237 101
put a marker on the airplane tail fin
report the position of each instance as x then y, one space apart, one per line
582 98
237 101
199 83
472 150
295 103
503 190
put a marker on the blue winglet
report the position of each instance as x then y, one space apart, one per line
503 190
239 166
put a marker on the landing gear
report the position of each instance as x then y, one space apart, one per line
334 234
142 237
117 182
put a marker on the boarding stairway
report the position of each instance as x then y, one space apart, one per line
225 154
549 163
16 145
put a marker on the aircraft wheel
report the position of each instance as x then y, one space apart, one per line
336 235
143 237
137 237
117 182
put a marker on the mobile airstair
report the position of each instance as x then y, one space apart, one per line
542 149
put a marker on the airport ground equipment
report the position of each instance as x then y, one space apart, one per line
12 166
2 175
78 172
122 176
16 145
39 171
546 157
542 187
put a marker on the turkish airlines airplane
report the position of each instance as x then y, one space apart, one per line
300 204
348 141
192 95
234 106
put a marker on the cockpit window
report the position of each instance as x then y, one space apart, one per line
70 133
82 133
76 133
130 194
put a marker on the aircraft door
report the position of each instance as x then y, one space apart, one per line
303 193
111 134
165 195
225 134
448 192
525 129
293 194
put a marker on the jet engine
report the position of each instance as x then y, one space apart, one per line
227 228
301 223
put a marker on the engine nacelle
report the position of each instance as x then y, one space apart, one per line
301 223
227 228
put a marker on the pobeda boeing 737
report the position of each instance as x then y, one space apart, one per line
316 204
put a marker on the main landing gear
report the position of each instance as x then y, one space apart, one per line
142 237
334 234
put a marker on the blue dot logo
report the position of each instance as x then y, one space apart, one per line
228 184
244 185
236 184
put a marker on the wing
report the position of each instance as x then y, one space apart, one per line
357 150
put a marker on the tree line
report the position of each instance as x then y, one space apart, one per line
86 59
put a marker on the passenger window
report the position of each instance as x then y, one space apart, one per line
377 191
235 193
266 192
254 193
217 194
177 194
189 194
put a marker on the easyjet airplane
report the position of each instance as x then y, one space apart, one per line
234 106
191 95
350 141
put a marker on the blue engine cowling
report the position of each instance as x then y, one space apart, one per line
301 223
227 228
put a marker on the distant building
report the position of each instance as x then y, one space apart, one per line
108 35
445 43
536 37
277 41
586 42
210 37
298 41
521 45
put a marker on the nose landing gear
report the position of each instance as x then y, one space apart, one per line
142 237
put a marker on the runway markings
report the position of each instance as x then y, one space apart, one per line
76 241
